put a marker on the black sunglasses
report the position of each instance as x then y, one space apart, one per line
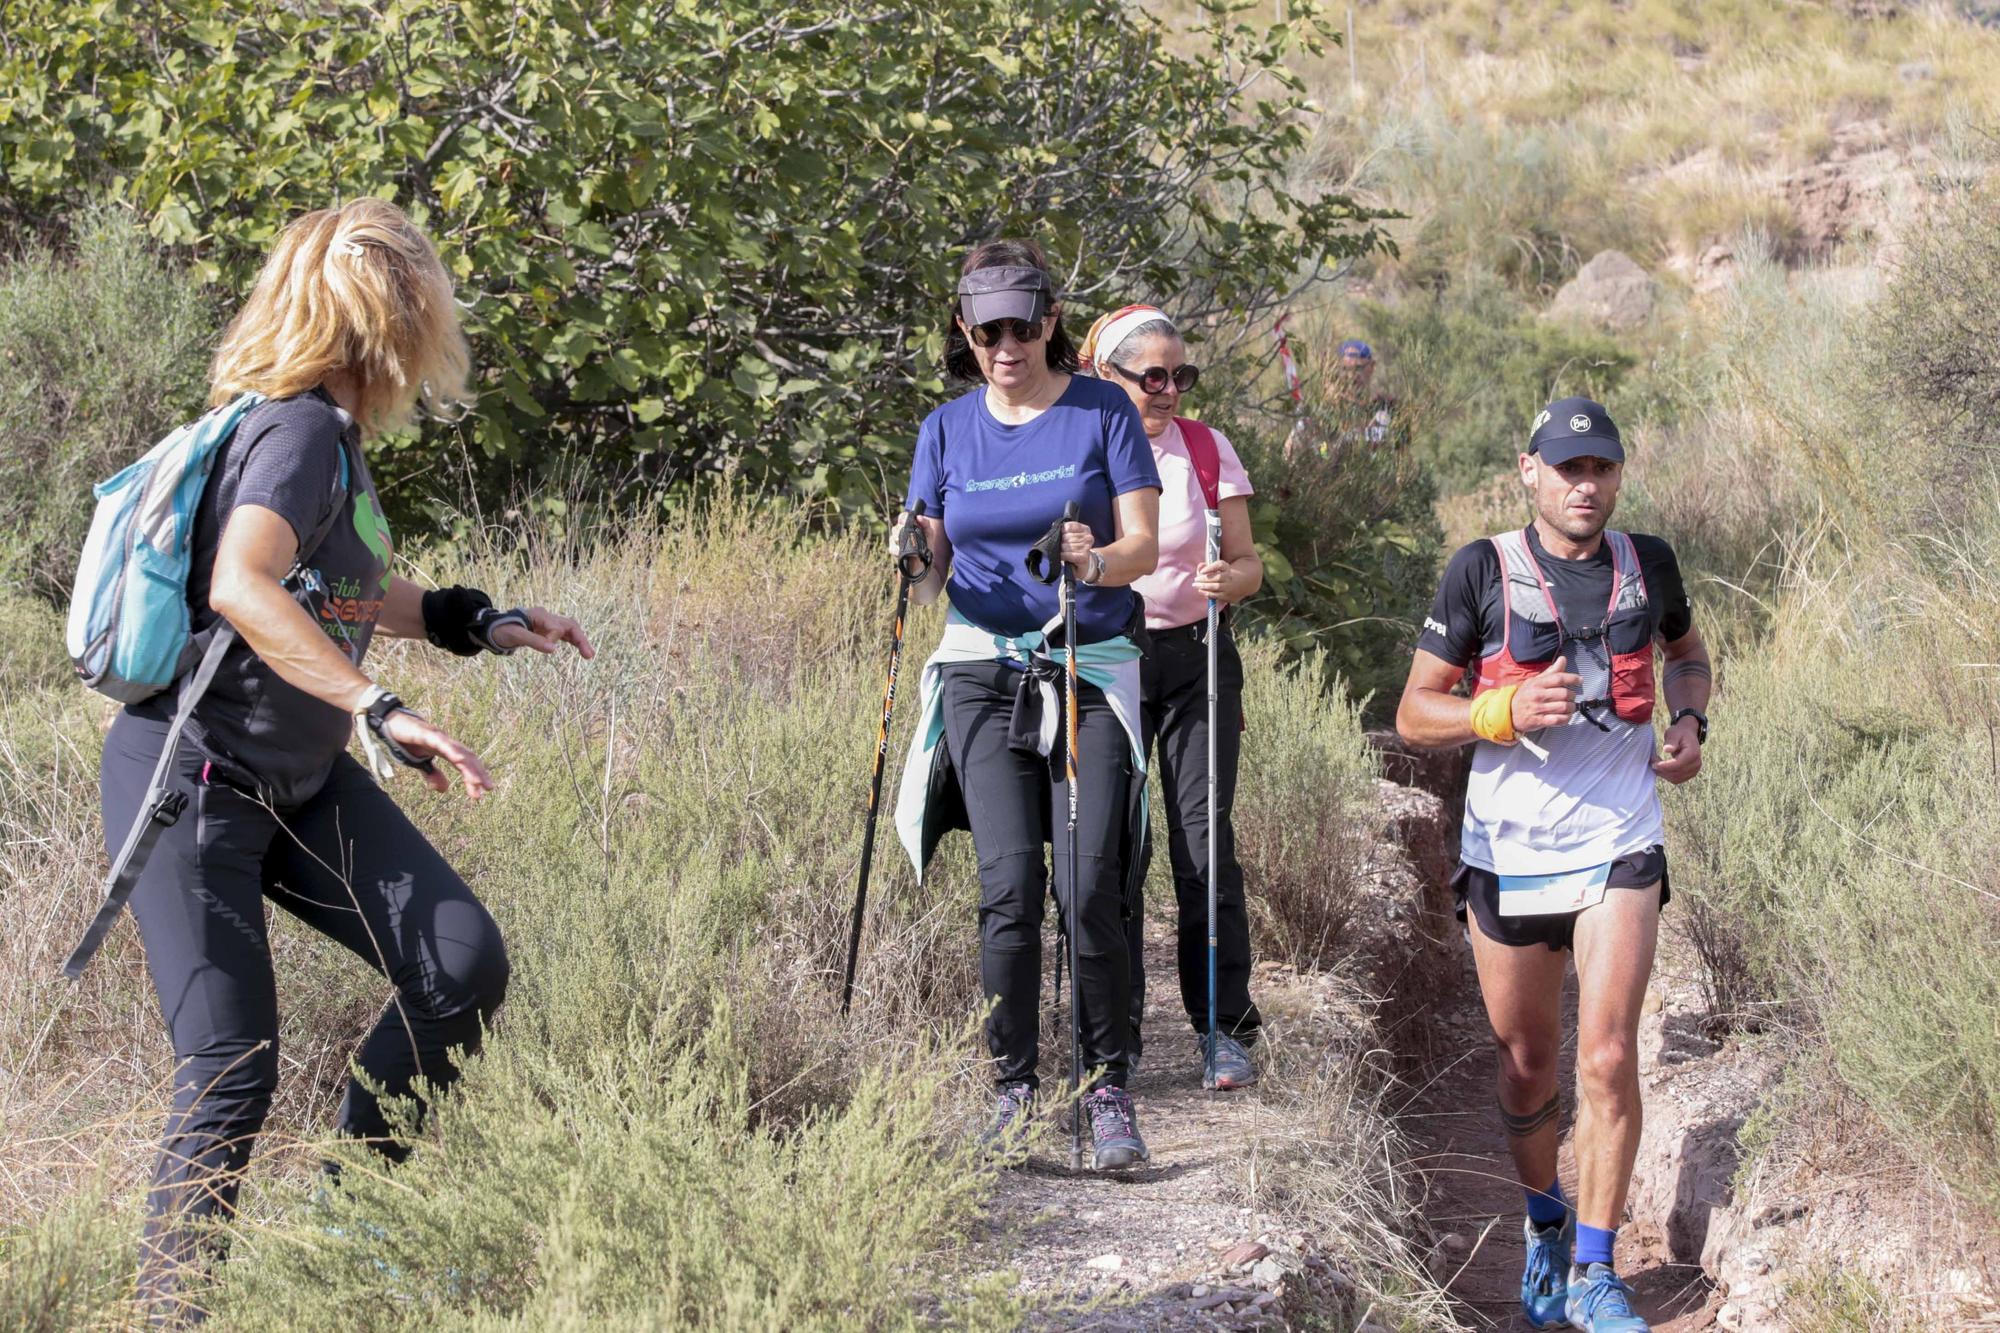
988 334
1153 379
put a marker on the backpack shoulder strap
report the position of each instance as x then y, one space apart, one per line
1207 459
1628 579
343 486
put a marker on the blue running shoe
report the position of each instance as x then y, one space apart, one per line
1545 1279
1600 1303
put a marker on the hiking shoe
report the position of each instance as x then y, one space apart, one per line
1600 1303
1006 1137
1114 1128
1231 1068
1545 1278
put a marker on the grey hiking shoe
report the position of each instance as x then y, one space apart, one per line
1114 1128
1006 1137
1232 1067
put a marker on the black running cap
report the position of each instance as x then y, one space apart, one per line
1576 428
1006 291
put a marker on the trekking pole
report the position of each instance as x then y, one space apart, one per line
1075 891
1214 554
1045 562
913 566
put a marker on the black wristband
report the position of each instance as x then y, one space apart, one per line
377 713
450 615
1700 723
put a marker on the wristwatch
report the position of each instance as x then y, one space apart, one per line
1096 569
1700 723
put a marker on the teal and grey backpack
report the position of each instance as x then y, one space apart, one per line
131 635
129 631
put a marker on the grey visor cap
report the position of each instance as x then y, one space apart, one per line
1007 292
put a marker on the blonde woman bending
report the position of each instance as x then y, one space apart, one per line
350 324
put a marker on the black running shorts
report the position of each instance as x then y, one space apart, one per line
1480 890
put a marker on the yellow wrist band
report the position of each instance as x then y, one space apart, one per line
1493 715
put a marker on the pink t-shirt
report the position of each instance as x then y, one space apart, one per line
1171 597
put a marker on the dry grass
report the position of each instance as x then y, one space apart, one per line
671 852
1522 138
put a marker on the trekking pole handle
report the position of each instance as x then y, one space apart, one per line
1045 560
913 551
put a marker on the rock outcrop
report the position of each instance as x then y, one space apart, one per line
1610 292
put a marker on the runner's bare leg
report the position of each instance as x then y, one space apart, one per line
1522 987
1615 941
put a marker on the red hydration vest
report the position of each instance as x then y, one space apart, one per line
1615 658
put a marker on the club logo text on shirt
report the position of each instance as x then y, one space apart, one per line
1020 479
1436 628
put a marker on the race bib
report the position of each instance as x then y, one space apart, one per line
1543 895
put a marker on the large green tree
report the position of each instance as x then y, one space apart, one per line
712 236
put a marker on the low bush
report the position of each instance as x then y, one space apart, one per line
1308 816
104 350
1473 364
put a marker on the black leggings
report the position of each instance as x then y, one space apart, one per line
1175 685
1018 803
349 864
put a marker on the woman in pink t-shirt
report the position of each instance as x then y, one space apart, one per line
1140 349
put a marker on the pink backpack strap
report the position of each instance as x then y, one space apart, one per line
1207 459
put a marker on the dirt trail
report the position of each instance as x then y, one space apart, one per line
1178 1243
1474 1203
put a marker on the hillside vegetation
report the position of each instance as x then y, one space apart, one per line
1812 404
672 1125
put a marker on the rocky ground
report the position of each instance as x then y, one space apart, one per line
1181 1243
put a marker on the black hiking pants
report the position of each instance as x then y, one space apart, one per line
349 864
1174 685
1018 804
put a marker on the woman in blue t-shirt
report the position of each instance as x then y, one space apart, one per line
994 469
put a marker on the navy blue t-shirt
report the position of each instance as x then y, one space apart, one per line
999 487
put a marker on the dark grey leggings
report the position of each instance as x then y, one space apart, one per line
1018 803
349 864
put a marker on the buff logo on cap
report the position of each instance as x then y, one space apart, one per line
1579 423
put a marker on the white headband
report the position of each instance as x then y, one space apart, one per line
1121 328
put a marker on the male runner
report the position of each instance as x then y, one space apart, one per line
1562 844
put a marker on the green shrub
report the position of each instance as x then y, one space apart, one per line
70 1269
1350 549
628 1184
694 239
1472 364
1307 812
1940 329
103 350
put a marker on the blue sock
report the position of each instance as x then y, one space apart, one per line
1593 1245
1547 1208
